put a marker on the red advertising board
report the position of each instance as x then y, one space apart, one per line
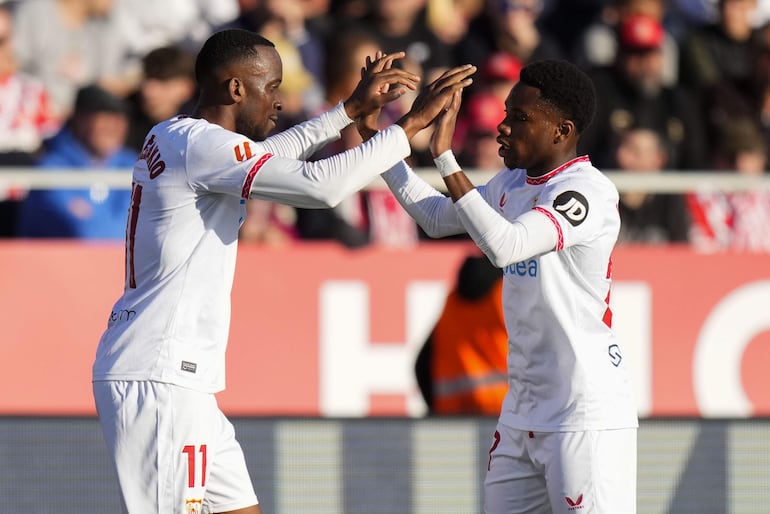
321 330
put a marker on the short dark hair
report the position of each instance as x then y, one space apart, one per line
225 47
566 87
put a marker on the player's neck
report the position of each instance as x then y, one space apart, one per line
217 114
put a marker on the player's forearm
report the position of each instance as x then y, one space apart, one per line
341 175
430 209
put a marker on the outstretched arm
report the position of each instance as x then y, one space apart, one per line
326 182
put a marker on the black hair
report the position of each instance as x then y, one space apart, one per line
566 87
225 47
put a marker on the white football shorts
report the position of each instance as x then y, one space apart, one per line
590 472
173 449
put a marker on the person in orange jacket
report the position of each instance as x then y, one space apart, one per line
461 368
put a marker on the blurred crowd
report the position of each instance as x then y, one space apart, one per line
682 85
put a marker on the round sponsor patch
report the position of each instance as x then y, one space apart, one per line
573 206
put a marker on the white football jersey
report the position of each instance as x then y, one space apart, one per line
566 368
553 236
190 185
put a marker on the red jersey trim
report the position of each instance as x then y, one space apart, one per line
560 241
536 181
253 173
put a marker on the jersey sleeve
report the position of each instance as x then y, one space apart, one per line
324 183
221 161
426 205
580 210
303 140
504 242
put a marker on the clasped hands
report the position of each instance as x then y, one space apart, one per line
382 83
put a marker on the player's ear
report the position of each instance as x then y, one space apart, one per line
564 130
235 89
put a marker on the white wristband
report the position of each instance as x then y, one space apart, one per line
447 164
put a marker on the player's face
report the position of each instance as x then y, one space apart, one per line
261 101
529 131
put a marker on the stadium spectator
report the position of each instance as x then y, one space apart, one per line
550 221
145 25
509 26
719 51
449 19
476 133
500 73
737 220
632 93
27 116
167 88
567 19
26 119
598 43
402 25
719 64
648 217
79 45
93 138
461 368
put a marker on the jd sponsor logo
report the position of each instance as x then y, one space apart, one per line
573 206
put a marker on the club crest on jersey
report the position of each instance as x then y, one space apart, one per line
573 206
193 506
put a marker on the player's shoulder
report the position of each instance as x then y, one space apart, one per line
583 176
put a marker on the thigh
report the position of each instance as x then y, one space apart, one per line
228 485
128 413
593 472
170 446
514 483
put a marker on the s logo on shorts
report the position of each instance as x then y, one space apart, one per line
573 206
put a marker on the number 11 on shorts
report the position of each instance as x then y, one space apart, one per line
190 451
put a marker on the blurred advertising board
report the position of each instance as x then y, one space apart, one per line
319 330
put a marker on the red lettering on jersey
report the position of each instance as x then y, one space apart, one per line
133 217
607 318
151 155
243 151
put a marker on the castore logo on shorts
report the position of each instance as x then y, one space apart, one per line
574 504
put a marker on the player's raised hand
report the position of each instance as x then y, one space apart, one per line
435 98
444 128
380 83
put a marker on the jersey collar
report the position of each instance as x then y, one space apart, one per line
536 181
